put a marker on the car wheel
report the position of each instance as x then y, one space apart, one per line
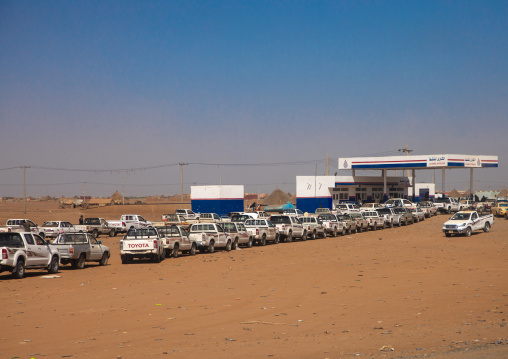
313 235
53 265
262 242
80 262
124 259
324 234
448 234
228 245
359 230
174 252
304 236
468 232
104 259
211 247
417 219
277 239
112 233
19 270
192 250
249 243
156 258
289 237
487 227
374 228
95 233
235 244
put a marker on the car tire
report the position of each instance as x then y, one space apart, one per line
249 243
304 236
80 262
448 234
277 239
95 233
228 245
192 250
313 235
124 259
262 241
289 237
104 259
468 232
112 233
235 244
53 265
19 270
211 247
487 227
374 227
174 252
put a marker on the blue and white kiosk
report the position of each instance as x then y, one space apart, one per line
325 191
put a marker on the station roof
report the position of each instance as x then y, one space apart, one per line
418 162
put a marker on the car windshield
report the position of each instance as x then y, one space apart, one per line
169 231
384 211
460 216
75 238
327 217
50 224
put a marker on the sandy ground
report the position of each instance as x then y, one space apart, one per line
402 292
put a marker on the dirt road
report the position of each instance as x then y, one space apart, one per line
401 292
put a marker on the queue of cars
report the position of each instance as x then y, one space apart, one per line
24 245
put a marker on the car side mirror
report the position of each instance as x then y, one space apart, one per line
100 242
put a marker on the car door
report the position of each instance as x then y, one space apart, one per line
95 248
32 251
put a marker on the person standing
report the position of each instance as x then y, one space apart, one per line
81 219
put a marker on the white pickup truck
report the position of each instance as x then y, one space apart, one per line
289 227
447 205
187 213
78 248
96 226
176 239
142 243
22 225
332 225
24 250
262 230
209 236
239 234
465 222
54 228
128 221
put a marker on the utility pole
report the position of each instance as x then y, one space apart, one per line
123 188
408 151
327 163
24 189
181 179
84 197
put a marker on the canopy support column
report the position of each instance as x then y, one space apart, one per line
414 185
443 182
385 197
471 182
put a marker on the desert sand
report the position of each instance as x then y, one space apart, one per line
405 292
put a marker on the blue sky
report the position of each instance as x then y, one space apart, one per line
107 85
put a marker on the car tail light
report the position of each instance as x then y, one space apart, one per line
71 250
8 229
257 232
123 224
167 242
121 245
202 236
155 243
5 254
283 227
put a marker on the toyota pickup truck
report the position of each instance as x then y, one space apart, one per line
128 221
209 236
289 227
54 228
239 234
361 223
447 205
22 225
142 243
332 225
390 217
348 223
176 239
346 208
466 222
96 226
262 231
209 218
314 226
25 250
78 248
187 213
375 220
